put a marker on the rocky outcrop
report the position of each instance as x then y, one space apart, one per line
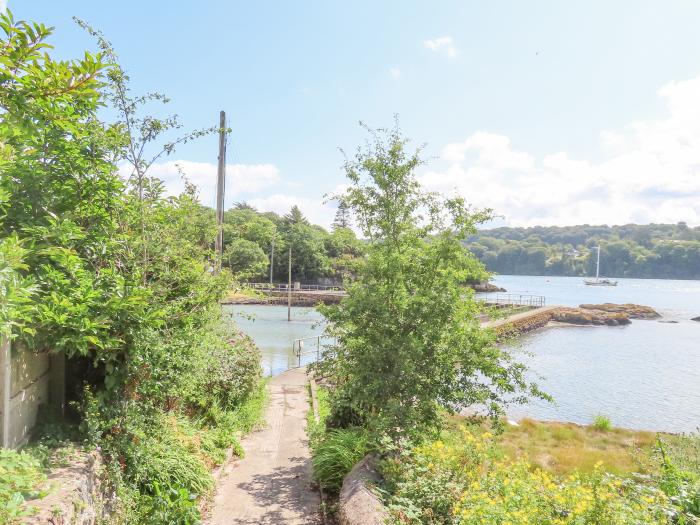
358 505
696 318
485 287
633 311
583 316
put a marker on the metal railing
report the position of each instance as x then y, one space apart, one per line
513 299
310 346
296 287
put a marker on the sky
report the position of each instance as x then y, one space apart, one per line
549 112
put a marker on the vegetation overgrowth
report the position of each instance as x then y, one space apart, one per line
472 477
661 251
117 276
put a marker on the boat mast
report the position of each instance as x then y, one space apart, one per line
597 264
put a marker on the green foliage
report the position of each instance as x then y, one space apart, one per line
666 251
117 275
336 453
245 259
316 253
21 479
409 344
680 475
602 423
467 482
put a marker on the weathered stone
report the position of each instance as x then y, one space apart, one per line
582 316
75 494
696 318
358 505
633 311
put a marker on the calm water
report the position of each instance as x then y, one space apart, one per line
274 335
645 375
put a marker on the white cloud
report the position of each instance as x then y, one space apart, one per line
3 5
651 172
395 72
441 44
241 179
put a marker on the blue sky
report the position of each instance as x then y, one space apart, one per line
550 112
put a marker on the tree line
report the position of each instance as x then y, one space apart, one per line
662 251
252 239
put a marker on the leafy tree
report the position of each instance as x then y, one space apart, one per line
246 259
409 344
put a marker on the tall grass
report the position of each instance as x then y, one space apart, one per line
336 453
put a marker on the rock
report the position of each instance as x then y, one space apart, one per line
485 287
584 316
633 311
696 318
76 494
669 322
357 504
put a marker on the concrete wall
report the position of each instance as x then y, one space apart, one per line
24 386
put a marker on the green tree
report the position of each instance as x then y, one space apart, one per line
245 259
409 344
342 216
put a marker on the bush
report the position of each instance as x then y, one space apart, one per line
602 423
336 453
20 479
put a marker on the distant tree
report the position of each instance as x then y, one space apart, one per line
245 259
242 205
295 217
342 216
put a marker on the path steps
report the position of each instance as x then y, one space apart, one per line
272 483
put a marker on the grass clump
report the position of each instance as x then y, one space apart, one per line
336 453
602 423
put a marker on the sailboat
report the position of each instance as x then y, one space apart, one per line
598 281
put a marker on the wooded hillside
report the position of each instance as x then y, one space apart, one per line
663 251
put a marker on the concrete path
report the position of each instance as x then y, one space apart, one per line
272 483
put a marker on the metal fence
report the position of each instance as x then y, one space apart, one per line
310 347
513 299
296 287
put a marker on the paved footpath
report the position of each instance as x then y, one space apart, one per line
272 483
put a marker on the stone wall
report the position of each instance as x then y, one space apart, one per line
76 494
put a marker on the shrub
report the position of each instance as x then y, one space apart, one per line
602 423
20 479
336 453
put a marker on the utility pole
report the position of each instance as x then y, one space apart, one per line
272 259
220 188
289 286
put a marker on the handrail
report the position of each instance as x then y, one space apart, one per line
514 299
299 344
283 287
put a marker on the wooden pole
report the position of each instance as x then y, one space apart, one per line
220 188
289 286
272 258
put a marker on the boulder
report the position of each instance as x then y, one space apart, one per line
357 504
696 318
